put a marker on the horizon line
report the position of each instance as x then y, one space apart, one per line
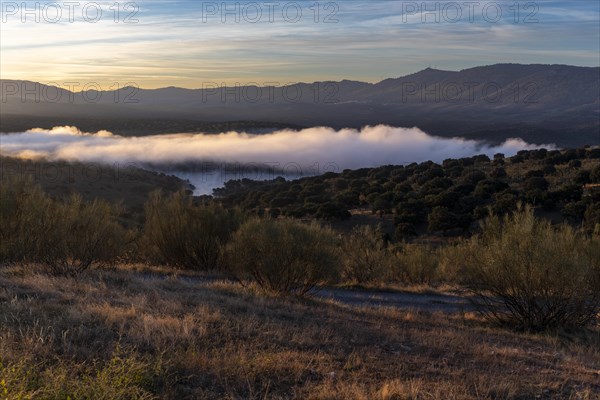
248 84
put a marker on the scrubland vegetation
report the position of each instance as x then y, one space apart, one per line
430 199
95 307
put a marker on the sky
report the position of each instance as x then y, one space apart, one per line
160 43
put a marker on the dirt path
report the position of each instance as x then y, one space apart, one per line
432 302
404 300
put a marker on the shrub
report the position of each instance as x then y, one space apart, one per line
79 235
405 231
124 376
332 211
365 255
595 174
574 210
67 236
283 256
592 218
452 263
185 235
22 204
416 263
529 274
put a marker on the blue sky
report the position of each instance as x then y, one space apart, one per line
189 44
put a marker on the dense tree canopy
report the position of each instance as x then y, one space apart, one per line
432 197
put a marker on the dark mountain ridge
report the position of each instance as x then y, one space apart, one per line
552 103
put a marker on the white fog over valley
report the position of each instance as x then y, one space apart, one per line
235 155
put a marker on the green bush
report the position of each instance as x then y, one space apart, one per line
185 235
530 274
452 267
365 255
67 236
283 256
415 263
22 205
79 235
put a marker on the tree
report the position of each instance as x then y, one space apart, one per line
340 184
517 159
441 219
549 170
498 173
583 177
333 211
474 177
505 202
382 205
410 211
282 200
536 183
593 154
569 193
448 199
575 164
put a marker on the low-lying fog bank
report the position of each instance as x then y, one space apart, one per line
209 160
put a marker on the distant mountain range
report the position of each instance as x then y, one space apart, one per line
539 103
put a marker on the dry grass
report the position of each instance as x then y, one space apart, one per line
124 334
